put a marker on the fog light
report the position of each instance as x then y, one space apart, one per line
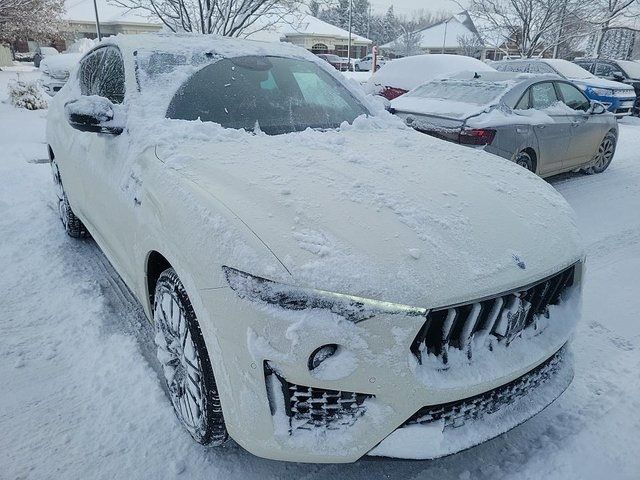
319 355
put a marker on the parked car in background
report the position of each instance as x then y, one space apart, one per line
43 52
624 71
347 64
412 303
55 71
365 63
398 77
618 98
335 61
543 123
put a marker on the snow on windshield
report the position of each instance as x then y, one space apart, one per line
569 69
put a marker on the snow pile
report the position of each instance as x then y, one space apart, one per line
26 94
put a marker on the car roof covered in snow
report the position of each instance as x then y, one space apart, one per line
409 72
212 44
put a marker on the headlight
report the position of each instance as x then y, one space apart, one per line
354 309
602 92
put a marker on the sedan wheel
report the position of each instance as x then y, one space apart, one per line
185 362
72 224
524 160
603 156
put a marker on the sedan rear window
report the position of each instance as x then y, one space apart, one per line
474 92
271 94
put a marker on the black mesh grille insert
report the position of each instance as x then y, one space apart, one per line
310 407
455 414
501 318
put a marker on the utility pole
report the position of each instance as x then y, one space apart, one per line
95 7
350 18
444 39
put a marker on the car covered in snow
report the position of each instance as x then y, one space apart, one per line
55 71
403 74
618 98
542 122
324 281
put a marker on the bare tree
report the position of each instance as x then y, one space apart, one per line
609 15
408 43
471 45
30 19
231 18
530 27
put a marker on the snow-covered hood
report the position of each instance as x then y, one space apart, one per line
59 66
601 83
385 213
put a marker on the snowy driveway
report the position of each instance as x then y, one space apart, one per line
79 400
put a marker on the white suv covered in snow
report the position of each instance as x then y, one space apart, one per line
313 302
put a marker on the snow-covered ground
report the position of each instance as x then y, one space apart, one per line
80 398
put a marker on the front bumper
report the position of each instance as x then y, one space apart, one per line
256 349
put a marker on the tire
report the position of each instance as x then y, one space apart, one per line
524 160
185 362
357 67
604 155
72 224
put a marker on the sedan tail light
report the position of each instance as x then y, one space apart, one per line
477 136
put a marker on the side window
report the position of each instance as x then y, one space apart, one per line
523 104
88 73
112 76
604 69
543 95
573 97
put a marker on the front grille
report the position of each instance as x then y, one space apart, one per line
495 319
312 408
456 414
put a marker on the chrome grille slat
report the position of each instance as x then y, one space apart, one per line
480 324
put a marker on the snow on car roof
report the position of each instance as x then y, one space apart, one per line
409 72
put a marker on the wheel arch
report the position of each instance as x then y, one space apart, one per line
155 264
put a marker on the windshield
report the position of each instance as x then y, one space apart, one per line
632 69
271 94
473 92
570 70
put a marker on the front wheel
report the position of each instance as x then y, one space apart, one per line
72 224
357 67
604 155
185 362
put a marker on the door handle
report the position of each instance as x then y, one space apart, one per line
541 126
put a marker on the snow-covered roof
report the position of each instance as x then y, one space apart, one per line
445 34
83 11
300 25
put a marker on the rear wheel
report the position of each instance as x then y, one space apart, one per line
604 155
524 160
183 356
72 224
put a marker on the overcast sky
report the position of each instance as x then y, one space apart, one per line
407 6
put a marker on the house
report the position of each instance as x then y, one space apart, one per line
456 35
313 34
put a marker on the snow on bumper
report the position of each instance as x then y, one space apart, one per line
261 356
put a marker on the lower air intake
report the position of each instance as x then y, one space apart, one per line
310 408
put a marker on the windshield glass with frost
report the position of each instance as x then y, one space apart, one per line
473 92
272 94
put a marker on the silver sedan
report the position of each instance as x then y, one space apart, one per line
542 122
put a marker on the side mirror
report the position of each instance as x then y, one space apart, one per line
94 114
597 108
618 75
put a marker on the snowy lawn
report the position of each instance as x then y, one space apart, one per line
80 398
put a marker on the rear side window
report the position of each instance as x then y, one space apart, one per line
540 68
573 97
604 69
543 95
